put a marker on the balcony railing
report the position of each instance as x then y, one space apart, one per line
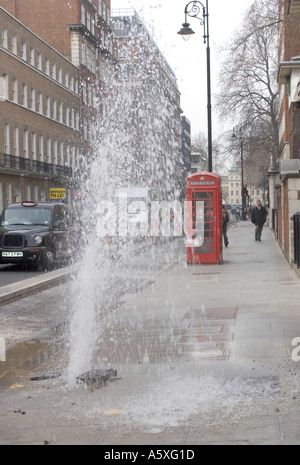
33 166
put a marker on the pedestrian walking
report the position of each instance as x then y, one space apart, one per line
238 214
225 219
258 217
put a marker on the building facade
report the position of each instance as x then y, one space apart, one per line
80 31
40 115
285 172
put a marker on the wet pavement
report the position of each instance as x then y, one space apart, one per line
203 354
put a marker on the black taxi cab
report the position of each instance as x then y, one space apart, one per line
35 233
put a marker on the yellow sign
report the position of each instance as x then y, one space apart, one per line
57 194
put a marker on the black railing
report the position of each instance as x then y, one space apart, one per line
296 219
33 166
274 220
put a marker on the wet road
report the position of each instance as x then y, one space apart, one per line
36 326
10 274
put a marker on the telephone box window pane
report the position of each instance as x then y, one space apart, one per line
203 222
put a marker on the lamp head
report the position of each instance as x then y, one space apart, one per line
186 31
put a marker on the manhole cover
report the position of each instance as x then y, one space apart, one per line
99 377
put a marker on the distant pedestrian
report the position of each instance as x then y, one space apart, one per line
238 214
259 217
225 220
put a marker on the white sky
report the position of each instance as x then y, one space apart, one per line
163 19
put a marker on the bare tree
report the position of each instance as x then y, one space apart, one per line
222 158
249 90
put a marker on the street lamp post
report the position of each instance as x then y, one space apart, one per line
193 10
239 129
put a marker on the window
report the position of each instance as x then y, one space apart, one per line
28 192
60 113
119 25
24 95
83 14
72 161
15 90
100 7
9 198
48 150
31 56
14 45
72 123
83 53
47 67
33 145
67 80
41 147
5 87
68 159
84 92
40 110
61 153
67 116
48 110
54 109
25 143
39 61
88 20
55 152
89 89
23 50
32 99
17 194
4 38
16 141
43 194
94 21
36 194
72 84
60 75
6 139
54 71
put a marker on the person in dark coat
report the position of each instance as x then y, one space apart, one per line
259 217
225 220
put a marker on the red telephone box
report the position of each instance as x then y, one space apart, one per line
204 219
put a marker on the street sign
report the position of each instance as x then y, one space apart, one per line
58 194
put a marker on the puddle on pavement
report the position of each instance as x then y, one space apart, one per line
23 358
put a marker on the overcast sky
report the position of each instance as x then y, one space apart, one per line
163 19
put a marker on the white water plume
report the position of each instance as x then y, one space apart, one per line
137 131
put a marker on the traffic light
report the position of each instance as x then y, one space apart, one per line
245 192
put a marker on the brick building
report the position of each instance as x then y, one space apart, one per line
67 48
40 114
285 171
